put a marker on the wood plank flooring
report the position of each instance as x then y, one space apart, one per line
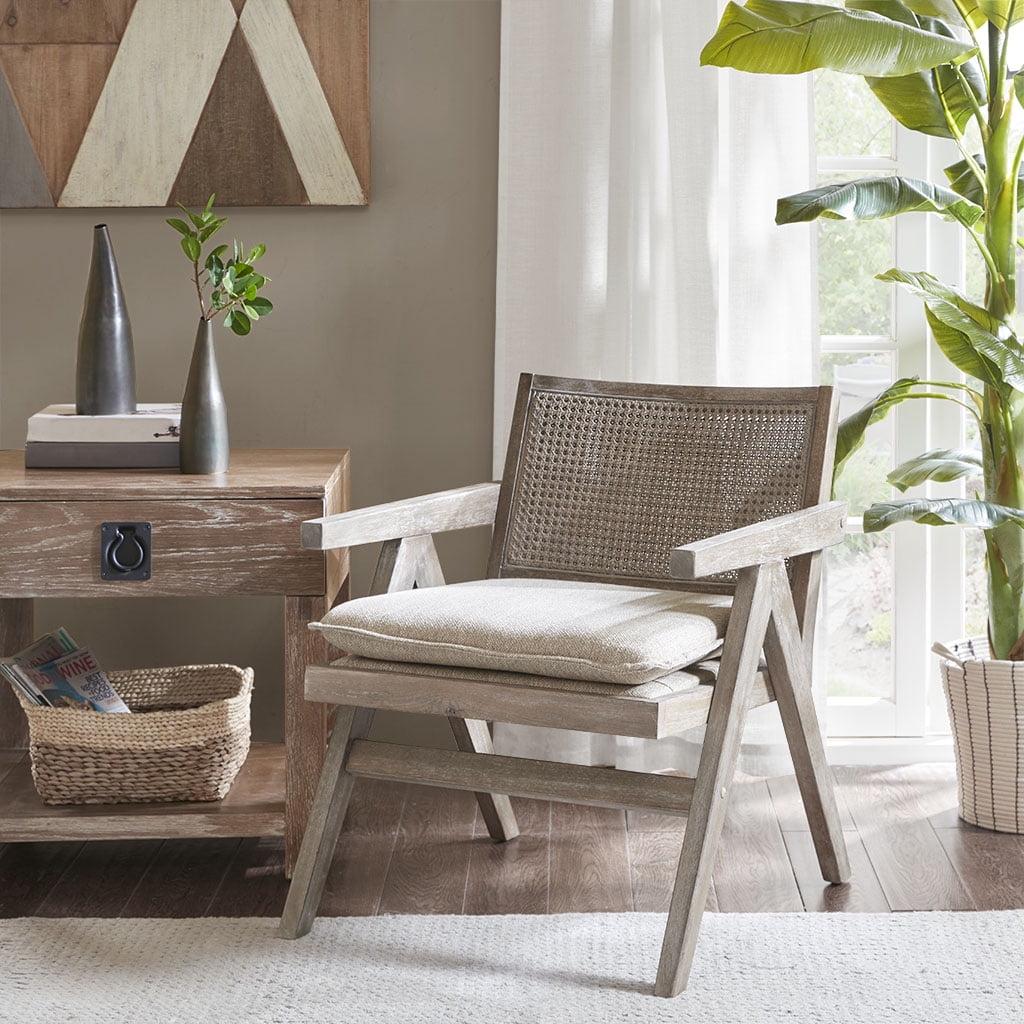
408 849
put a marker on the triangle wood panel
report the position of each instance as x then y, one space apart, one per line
237 124
63 21
337 38
56 88
22 181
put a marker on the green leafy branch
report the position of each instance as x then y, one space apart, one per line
233 283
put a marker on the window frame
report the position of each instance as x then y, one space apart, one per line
927 567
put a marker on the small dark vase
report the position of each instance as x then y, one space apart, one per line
105 380
204 415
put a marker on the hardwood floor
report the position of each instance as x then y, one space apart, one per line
408 849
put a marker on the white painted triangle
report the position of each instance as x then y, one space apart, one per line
151 103
298 100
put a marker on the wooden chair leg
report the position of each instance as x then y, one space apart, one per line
325 820
740 657
473 736
791 680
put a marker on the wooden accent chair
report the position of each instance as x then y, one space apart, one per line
685 488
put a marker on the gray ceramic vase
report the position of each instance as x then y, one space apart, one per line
204 443
105 379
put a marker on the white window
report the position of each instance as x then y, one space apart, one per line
887 596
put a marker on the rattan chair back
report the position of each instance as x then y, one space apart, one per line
602 480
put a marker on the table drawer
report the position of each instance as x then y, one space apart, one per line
198 547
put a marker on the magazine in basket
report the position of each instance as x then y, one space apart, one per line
54 671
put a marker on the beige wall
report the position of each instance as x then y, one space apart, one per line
382 338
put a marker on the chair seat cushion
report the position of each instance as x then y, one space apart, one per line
566 629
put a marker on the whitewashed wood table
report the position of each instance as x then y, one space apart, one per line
233 534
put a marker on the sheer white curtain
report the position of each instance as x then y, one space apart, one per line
636 234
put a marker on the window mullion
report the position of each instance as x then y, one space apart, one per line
911 561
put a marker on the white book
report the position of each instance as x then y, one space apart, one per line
151 422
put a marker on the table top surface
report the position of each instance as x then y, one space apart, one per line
253 473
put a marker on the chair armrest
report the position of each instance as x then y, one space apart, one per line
797 533
432 513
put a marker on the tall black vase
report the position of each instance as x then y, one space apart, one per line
105 381
204 446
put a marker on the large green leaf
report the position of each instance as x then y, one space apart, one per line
850 435
949 10
874 199
983 515
931 290
957 345
963 180
972 339
778 37
916 100
941 465
996 11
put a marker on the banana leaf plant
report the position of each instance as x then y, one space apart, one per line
935 65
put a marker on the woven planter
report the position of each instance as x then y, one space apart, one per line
186 739
986 710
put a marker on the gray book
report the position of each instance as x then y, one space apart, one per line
101 455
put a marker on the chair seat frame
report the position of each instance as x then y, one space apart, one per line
772 616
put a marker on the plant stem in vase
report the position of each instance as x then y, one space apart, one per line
225 281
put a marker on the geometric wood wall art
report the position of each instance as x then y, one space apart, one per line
156 102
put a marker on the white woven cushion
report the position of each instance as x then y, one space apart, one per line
589 631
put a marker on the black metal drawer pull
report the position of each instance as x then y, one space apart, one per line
125 550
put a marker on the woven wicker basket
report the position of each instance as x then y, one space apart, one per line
188 740
986 709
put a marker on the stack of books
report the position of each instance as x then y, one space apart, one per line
58 438
55 672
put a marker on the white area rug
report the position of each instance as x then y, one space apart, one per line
565 969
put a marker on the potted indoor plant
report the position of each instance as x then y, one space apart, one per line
937 66
225 281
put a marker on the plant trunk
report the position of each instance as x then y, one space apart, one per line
1005 546
1003 407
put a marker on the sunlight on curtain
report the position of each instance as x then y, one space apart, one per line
636 234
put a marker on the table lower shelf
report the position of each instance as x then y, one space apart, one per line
254 807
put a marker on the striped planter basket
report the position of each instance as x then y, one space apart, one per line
986 709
